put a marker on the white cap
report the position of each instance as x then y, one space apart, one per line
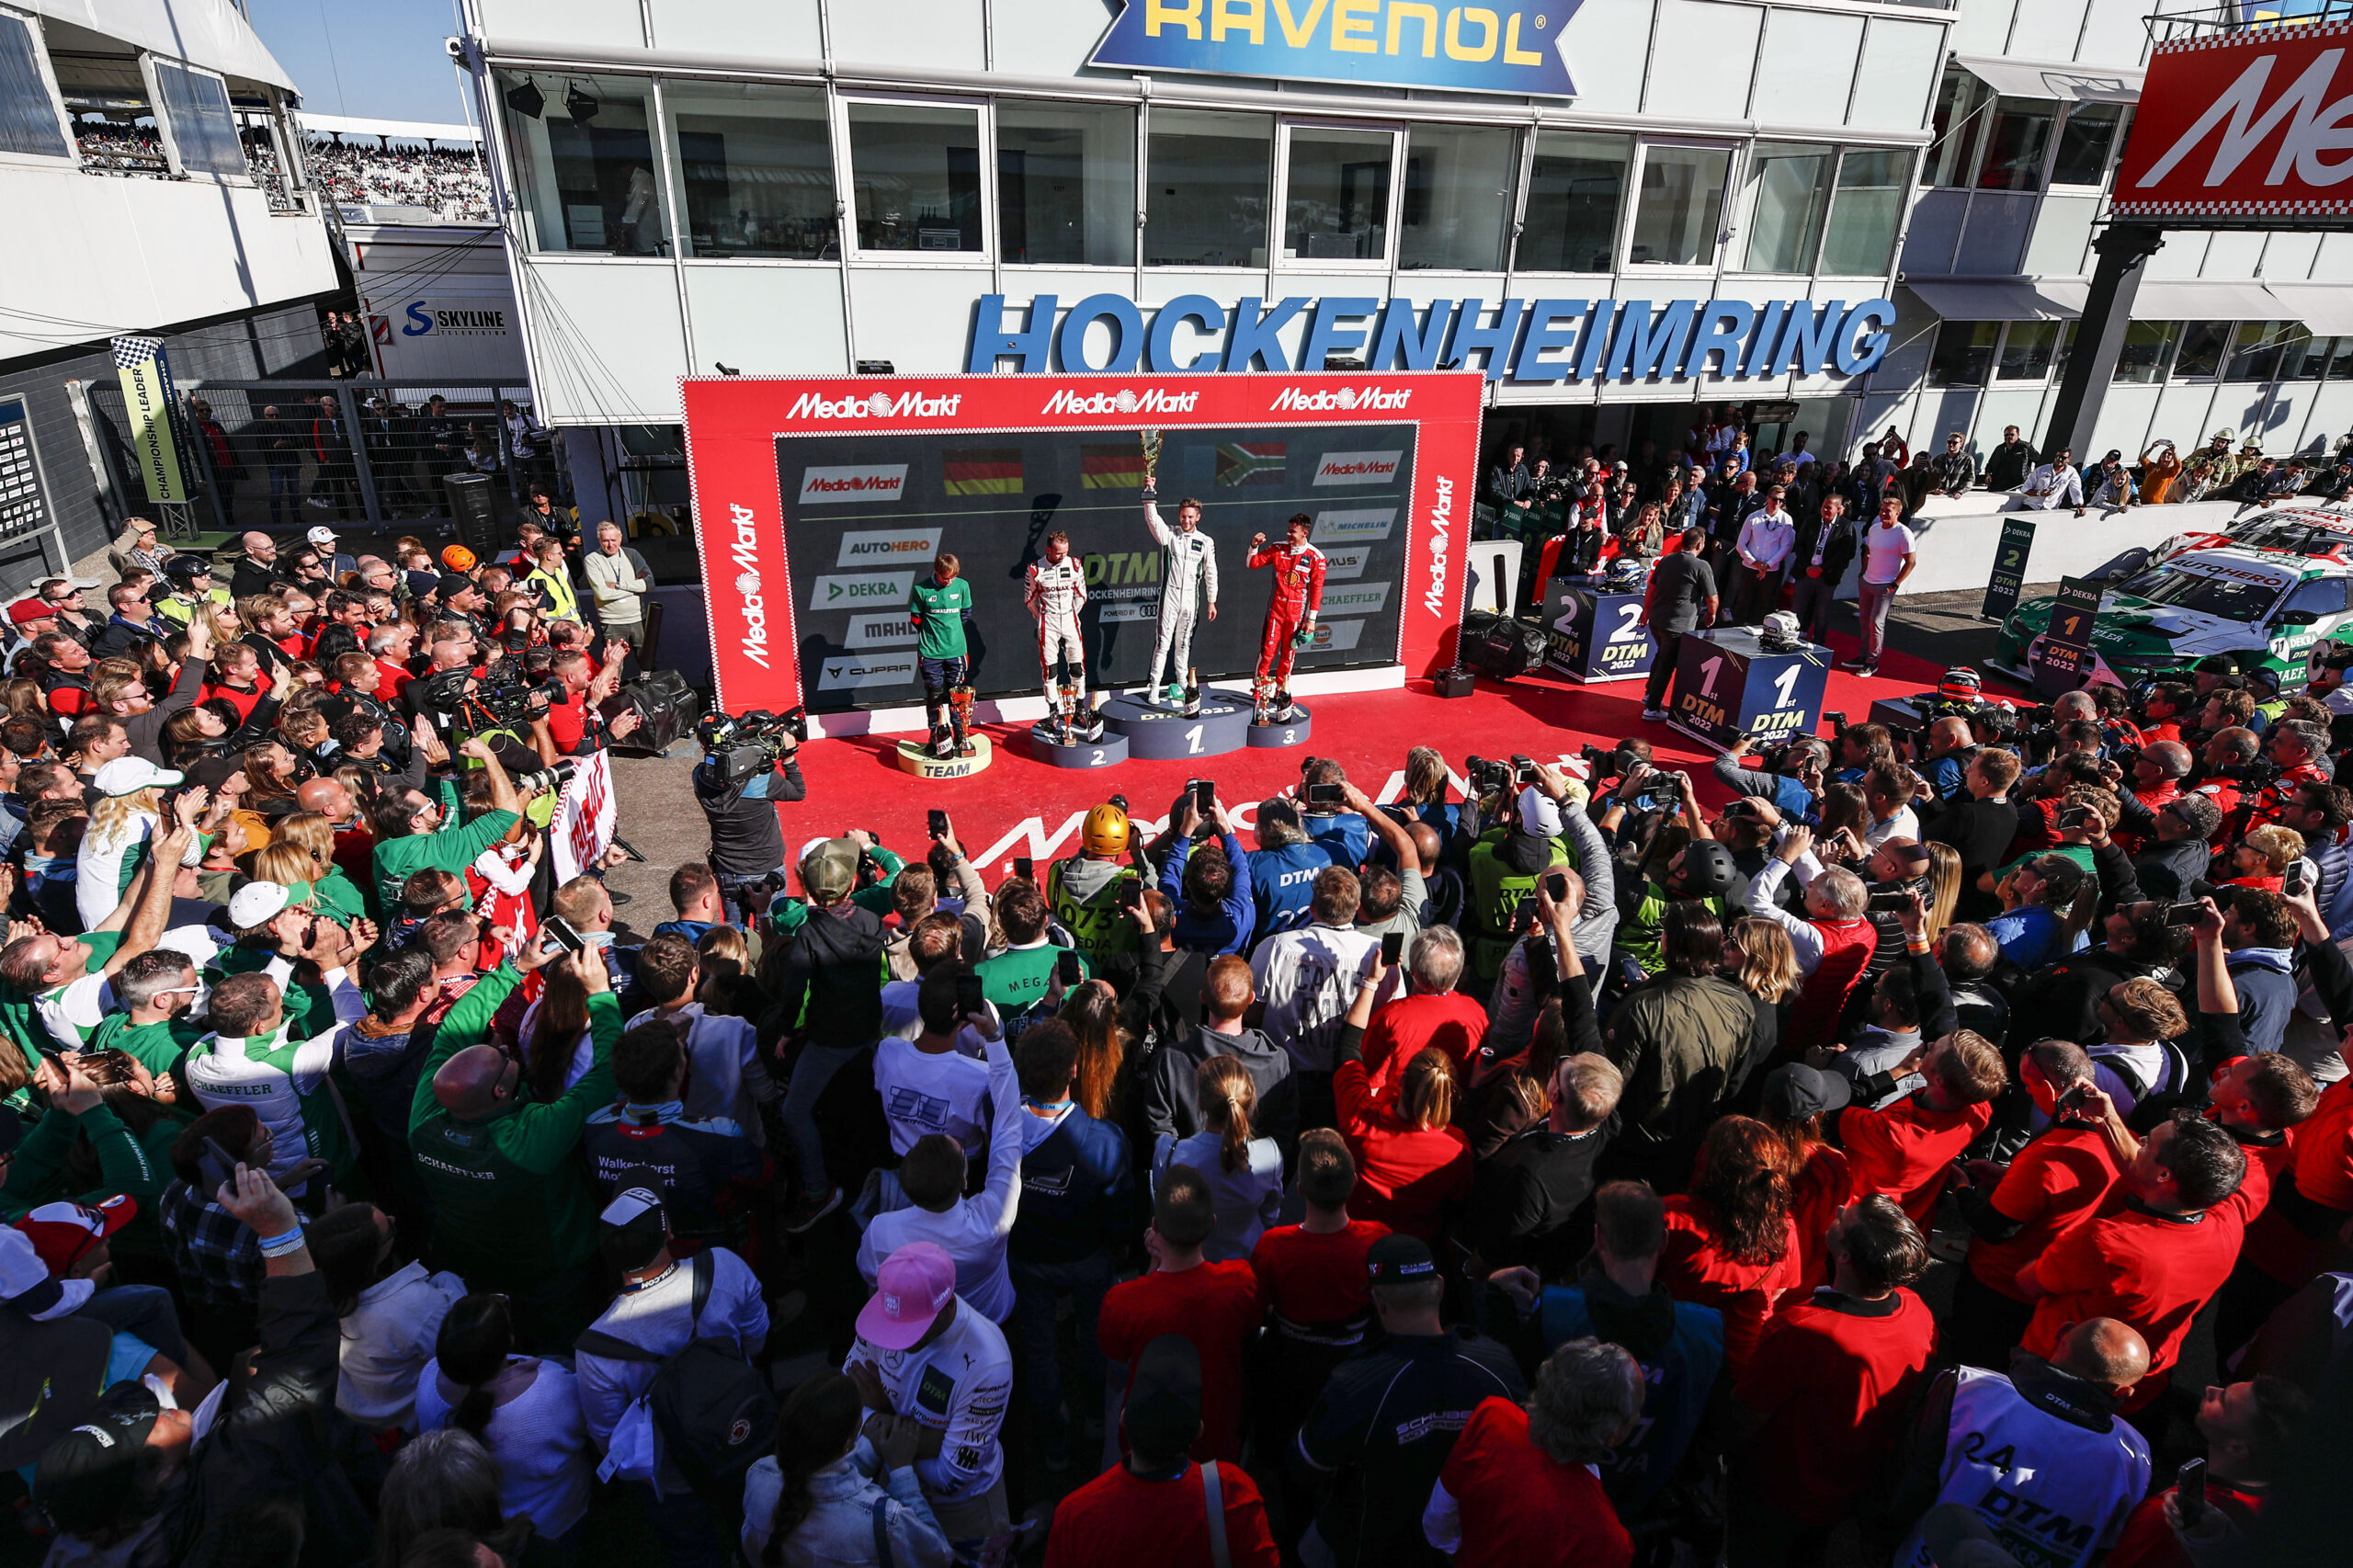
257 903
1538 813
629 1206
321 534
128 775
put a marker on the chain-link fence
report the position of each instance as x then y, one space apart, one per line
287 455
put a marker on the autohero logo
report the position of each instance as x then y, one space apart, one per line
1323 400
1357 467
1127 400
745 551
878 405
1441 518
882 546
875 482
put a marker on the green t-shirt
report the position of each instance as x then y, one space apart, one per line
159 1047
940 612
1013 980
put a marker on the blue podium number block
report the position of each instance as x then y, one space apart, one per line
1726 686
1594 637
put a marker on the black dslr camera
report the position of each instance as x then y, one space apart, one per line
744 747
1486 777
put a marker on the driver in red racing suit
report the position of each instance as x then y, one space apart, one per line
1290 615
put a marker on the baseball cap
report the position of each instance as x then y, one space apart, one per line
24 612
1539 813
62 1233
85 1478
635 1209
214 772
128 775
321 534
1400 1259
830 870
911 1289
256 904
1164 1412
1798 1093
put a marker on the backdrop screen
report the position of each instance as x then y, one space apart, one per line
865 515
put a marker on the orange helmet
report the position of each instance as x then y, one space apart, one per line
458 558
1105 832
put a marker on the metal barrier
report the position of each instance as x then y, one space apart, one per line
283 456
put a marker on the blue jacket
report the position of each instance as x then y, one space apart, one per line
1077 1198
2030 935
1283 885
1228 931
2266 981
693 1165
1677 1381
1344 836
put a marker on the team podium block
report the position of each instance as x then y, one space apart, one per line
1165 734
915 758
1728 685
1294 732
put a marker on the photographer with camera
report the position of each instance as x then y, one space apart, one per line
1791 776
749 766
1548 831
415 830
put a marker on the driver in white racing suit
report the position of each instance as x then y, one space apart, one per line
1191 560
1055 591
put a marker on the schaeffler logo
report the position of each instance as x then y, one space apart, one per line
879 406
1440 516
1357 467
874 482
1127 400
1328 398
746 554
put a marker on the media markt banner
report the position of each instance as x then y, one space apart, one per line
148 402
2002 589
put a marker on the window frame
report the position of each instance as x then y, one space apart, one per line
1735 162
1138 157
846 182
673 158
1515 176
1744 225
169 131
1278 213
72 157
1524 177
2107 162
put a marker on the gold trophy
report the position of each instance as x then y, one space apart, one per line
1150 441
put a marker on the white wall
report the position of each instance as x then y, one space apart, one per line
1956 545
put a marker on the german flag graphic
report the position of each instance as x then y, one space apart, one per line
990 471
1251 463
1110 467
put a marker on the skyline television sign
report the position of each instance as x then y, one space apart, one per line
2243 129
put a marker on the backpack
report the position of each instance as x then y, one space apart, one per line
711 1411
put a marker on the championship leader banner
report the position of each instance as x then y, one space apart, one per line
821 501
148 403
2242 126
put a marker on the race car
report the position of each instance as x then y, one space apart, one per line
2322 532
2267 607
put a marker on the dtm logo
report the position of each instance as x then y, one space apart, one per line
1127 400
1357 467
1328 398
878 481
880 406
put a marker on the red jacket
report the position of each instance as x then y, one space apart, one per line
1406 1177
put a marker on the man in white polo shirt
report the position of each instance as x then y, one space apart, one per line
1890 552
2055 484
1767 540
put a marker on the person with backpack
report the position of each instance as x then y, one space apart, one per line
659 1372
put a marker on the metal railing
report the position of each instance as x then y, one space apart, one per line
2246 16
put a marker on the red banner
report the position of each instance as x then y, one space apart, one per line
2254 125
744 521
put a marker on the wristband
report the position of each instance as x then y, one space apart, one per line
288 1242
1916 945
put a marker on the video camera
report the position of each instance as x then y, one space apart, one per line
744 747
1487 776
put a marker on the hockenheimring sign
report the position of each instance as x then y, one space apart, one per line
1522 341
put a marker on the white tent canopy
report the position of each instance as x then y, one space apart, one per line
2072 84
211 33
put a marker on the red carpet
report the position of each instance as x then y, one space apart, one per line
1021 807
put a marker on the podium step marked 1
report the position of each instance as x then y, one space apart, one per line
1135 728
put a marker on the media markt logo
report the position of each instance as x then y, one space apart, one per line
1357 467
1127 400
879 406
848 672
1325 399
745 553
873 481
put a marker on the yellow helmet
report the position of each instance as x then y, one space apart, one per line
1105 832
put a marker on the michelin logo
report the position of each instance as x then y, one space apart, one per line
851 672
880 482
1359 523
1357 467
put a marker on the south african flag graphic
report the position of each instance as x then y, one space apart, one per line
986 471
1251 463
1110 467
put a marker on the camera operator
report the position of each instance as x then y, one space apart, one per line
1791 778
748 765
1548 831
1700 872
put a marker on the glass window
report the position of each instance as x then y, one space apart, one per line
2148 351
2340 360
2307 359
1458 198
1206 189
1956 126
2254 351
1964 352
2203 342
1575 187
27 112
755 169
196 111
1336 203
915 177
1788 197
2027 350
1066 183
585 164
1680 210
2059 355
2016 139
1864 214
2084 142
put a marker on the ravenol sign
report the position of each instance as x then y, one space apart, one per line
1526 342
1399 43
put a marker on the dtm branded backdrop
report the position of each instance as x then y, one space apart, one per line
2243 128
819 502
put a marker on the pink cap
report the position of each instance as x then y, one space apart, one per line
910 1288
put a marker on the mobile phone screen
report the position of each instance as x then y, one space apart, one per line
1393 947
1024 867
1204 796
1067 966
1556 888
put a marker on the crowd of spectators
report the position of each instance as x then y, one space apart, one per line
1550 1172
448 183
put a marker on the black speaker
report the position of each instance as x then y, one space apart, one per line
472 507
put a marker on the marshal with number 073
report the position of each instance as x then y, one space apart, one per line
1728 685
